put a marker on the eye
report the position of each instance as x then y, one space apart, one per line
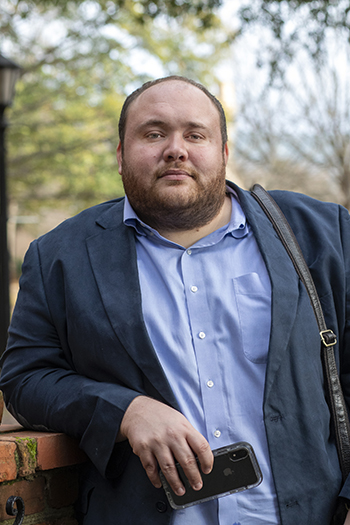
195 136
154 135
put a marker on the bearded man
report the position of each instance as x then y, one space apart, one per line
158 327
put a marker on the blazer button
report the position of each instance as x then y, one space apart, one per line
161 506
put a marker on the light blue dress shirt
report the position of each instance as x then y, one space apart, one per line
207 310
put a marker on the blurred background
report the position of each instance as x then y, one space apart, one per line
280 68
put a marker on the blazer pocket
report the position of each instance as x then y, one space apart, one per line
253 299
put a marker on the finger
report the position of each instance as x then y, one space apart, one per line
185 453
150 464
168 467
191 469
201 448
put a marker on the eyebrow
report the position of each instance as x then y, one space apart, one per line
162 123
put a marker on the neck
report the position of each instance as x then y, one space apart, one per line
187 238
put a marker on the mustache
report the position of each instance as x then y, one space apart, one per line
161 172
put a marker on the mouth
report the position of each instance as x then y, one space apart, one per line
175 174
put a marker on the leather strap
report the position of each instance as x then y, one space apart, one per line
328 338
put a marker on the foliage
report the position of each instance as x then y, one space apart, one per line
80 60
298 137
294 25
143 10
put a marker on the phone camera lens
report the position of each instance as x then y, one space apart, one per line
238 455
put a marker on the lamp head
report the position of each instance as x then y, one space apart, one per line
9 74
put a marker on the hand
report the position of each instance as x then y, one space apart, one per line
160 435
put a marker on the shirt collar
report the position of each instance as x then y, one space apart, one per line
237 227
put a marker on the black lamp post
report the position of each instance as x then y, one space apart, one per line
9 73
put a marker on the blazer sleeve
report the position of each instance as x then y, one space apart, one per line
41 387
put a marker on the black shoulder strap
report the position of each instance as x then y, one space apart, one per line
328 338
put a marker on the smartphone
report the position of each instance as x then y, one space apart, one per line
235 469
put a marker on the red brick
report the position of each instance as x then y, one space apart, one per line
32 493
53 449
8 437
27 456
8 466
58 450
63 488
24 444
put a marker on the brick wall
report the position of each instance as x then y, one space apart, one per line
42 468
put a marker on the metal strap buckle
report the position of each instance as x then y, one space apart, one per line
328 337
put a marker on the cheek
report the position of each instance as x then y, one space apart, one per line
205 161
144 156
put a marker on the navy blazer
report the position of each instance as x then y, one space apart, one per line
79 353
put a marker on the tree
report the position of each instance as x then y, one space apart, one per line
294 25
321 132
299 138
80 59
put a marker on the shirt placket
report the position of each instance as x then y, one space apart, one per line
203 339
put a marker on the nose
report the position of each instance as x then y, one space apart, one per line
175 149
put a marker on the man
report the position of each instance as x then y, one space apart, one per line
168 324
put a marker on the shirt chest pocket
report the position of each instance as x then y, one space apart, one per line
253 300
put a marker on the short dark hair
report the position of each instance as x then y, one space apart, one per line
135 94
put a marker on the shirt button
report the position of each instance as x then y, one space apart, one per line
189 252
194 289
217 433
210 384
201 335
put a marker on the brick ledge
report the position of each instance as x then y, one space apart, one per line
24 452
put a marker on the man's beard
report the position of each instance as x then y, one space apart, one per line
176 212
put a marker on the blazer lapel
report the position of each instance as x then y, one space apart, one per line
112 254
284 283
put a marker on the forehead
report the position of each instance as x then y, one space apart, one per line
176 101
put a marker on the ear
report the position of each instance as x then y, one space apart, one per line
226 153
119 157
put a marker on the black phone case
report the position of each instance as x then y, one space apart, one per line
235 469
